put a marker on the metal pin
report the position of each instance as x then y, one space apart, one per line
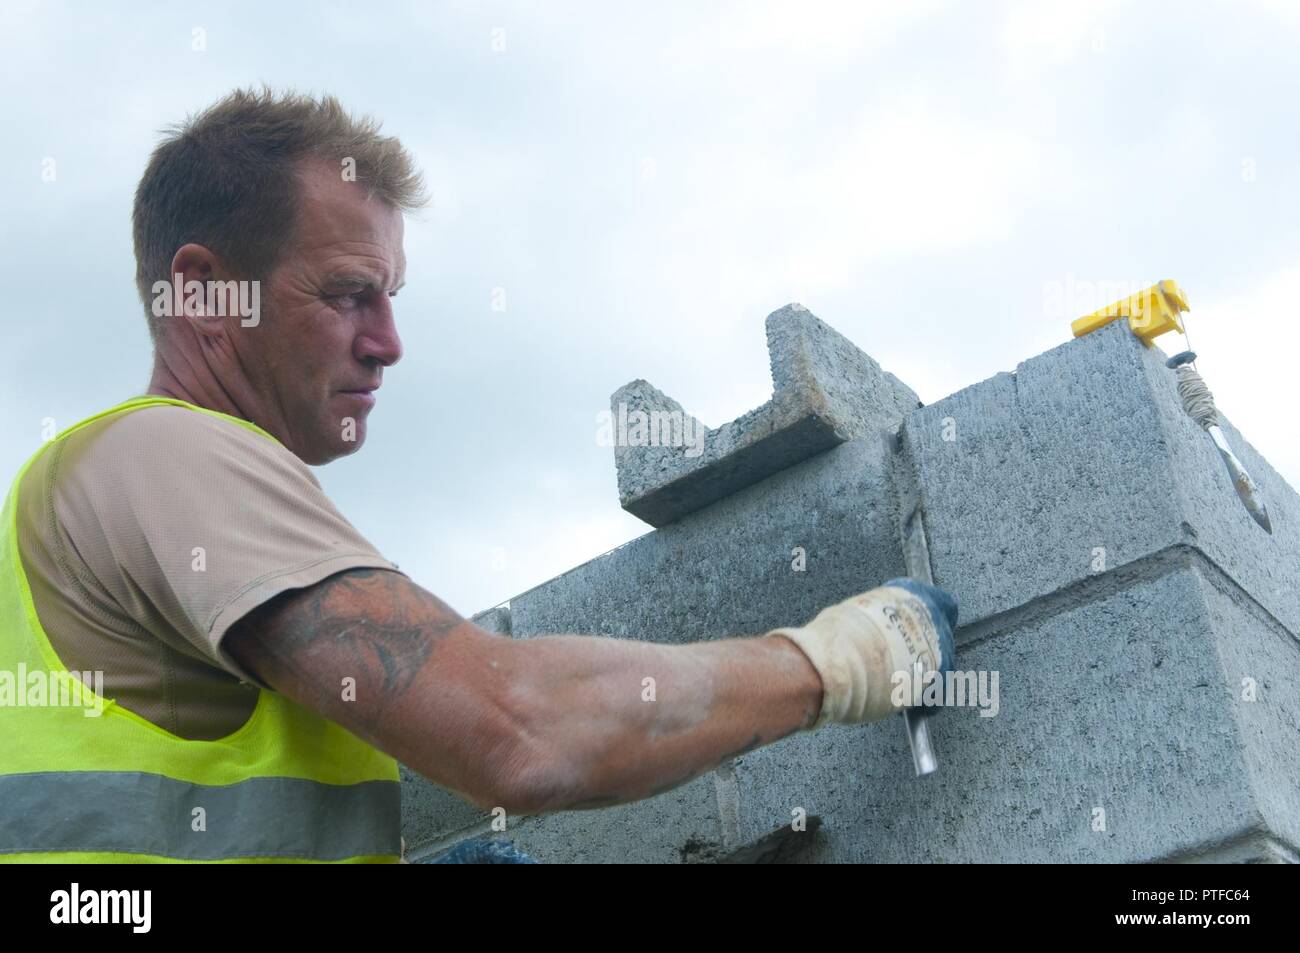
918 733
1247 489
916 553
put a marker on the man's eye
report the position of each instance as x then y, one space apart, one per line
346 301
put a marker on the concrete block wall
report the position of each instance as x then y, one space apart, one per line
1105 570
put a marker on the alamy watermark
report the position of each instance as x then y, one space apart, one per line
218 299
977 689
658 428
129 907
40 688
1073 298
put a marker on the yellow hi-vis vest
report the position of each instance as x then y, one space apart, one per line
84 780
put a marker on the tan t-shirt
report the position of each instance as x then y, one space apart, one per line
146 535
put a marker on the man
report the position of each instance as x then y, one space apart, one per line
263 665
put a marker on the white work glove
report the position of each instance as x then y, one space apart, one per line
858 645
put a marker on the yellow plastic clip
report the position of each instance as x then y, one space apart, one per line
1150 313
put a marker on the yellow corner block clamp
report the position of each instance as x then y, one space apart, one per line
1150 313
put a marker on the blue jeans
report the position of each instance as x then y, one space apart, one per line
483 851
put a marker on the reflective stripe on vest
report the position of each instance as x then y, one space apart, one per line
287 785
260 817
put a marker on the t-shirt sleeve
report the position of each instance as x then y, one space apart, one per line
190 521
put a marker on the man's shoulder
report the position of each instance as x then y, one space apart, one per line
142 436
169 421
158 447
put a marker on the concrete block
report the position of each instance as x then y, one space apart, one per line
430 813
1027 480
730 569
680 826
1261 665
1212 518
1122 703
825 391
496 619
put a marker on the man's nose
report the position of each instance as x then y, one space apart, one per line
378 340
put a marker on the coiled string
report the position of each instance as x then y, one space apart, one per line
1196 397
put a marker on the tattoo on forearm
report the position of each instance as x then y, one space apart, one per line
391 642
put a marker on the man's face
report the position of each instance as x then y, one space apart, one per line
316 359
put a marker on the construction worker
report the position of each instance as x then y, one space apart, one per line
226 669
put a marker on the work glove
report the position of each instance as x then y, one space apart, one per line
858 645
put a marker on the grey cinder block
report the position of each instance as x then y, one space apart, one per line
1084 457
825 391
1128 704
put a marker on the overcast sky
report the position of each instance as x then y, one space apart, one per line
941 182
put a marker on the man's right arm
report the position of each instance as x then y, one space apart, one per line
396 666
537 724
577 721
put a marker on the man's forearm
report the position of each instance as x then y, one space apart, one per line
560 721
616 720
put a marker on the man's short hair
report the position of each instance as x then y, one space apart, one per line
227 179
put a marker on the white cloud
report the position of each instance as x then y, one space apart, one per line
825 30
905 180
1037 34
1288 11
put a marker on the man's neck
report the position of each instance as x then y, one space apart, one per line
193 389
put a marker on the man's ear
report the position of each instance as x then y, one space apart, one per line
194 270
